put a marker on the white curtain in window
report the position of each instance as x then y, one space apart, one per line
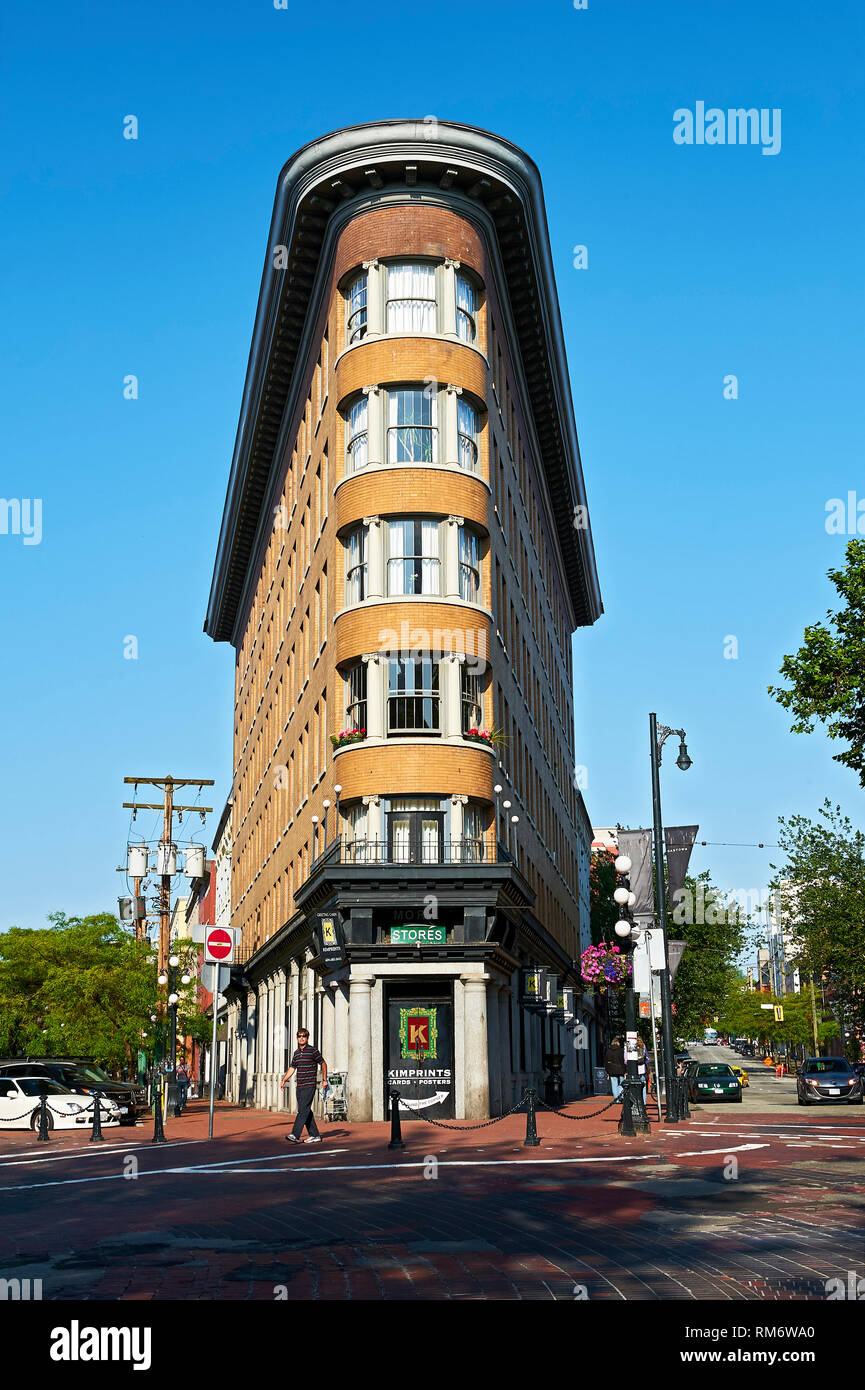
396 551
411 299
400 840
465 310
358 439
430 557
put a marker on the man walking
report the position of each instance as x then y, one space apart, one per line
306 1062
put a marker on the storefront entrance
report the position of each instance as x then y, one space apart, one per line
420 1051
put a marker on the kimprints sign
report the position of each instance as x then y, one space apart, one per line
219 946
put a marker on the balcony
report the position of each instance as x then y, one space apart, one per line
434 851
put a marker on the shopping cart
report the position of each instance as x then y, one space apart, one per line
336 1106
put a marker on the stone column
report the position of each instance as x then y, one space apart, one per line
341 1029
494 1068
251 1045
449 427
451 566
505 1058
449 298
375 585
477 1081
375 293
452 714
375 695
291 1101
279 1059
376 445
359 1050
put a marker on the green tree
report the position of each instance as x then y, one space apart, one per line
85 986
820 903
827 674
714 930
602 883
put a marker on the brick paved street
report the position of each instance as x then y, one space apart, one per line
458 1214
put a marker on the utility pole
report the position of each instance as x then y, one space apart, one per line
168 809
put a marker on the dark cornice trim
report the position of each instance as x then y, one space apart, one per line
363 165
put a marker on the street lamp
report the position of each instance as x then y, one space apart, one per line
326 804
634 1119
314 838
658 735
337 789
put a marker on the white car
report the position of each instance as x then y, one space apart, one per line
19 1105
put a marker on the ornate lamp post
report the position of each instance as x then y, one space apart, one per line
634 1119
658 735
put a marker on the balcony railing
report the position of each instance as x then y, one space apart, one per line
466 851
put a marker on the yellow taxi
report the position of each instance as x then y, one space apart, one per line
741 1076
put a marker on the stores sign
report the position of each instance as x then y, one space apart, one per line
418 936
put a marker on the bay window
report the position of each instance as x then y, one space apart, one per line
472 714
467 306
413 565
355 706
411 433
470 565
467 430
356 307
356 564
413 696
357 448
411 298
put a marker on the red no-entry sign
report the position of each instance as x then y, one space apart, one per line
219 945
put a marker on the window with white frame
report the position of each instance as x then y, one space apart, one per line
473 833
413 696
355 690
411 298
356 308
356 832
356 563
467 429
470 564
471 700
357 429
413 563
467 308
411 427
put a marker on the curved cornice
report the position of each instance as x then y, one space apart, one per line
319 190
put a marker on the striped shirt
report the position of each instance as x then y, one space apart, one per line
306 1061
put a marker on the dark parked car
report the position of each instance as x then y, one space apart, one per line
713 1081
82 1077
828 1081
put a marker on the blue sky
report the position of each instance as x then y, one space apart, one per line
145 257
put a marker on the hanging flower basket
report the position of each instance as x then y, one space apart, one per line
605 967
348 736
479 736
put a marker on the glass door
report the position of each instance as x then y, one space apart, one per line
415 837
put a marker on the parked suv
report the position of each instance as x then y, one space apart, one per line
828 1080
82 1076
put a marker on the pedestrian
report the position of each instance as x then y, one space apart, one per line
182 1079
306 1062
643 1072
614 1064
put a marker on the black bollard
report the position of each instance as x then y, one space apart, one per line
44 1134
395 1129
96 1132
158 1129
531 1138
684 1107
626 1119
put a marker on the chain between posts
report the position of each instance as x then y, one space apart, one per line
485 1124
617 1100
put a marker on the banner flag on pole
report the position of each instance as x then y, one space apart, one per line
637 845
679 841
